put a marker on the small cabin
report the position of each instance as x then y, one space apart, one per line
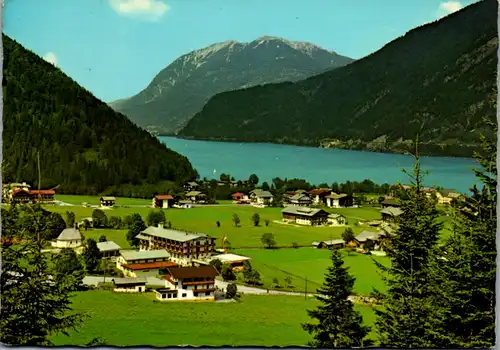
108 202
129 285
163 201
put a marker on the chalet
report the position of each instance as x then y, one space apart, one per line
390 202
107 202
129 285
191 186
143 263
446 196
287 196
261 197
319 195
69 238
332 244
300 199
339 200
163 201
240 198
368 236
20 196
390 214
183 247
336 219
196 197
188 284
108 249
304 216
42 196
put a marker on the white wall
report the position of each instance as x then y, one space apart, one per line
133 289
67 244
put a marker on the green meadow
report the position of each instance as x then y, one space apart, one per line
135 320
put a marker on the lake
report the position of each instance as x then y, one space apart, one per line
317 165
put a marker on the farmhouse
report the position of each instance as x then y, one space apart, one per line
188 284
390 214
368 236
337 219
182 246
339 200
240 198
191 186
69 238
390 202
319 195
107 202
300 199
332 244
196 197
163 201
261 197
143 263
20 196
446 196
129 285
108 249
44 196
304 216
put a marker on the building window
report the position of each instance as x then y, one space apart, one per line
195 294
184 295
207 293
170 296
163 296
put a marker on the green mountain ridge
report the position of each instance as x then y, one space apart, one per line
181 89
436 81
85 147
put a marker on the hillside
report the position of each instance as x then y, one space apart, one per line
85 147
180 90
435 81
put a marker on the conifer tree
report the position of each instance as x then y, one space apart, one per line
466 275
405 319
338 324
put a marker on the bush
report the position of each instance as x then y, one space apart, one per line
231 291
295 245
105 285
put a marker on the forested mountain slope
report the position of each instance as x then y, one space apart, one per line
435 81
85 146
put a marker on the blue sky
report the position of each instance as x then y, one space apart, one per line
115 47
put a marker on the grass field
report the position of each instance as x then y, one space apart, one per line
313 263
117 236
94 200
134 320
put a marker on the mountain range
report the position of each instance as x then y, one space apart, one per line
435 82
181 89
84 146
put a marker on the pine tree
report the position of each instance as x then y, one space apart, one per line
91 255
467 274
405 319
339 325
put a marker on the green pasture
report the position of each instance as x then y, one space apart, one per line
94 200
134 320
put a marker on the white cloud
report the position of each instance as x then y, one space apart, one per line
448 7
51 58
149 10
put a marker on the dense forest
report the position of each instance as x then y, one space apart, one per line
434 82
84 146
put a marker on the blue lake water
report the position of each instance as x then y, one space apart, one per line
317 165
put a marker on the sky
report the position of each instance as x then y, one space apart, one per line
114 48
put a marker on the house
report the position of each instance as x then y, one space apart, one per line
339 200
261 197
186 204
390 214
69 238
20 196
336 219
191 186
364 236
446 196
108 249
332 244
188 284
240 198
390 202
42 196
196 197
107 202
182 246
129 285
300 199
135 263
304 216
235 261
319 195
163 201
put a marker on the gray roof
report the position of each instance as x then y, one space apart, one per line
302 211
363 236
262 193
335 215
193 193
108 246
192 183
137 280
299 196
69 234
337 196
330 242
392 211
447 192
174 235
107 198
144 254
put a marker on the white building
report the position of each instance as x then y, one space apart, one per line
69 238
336 219
261 197
188 284
135 263
108 249
130 285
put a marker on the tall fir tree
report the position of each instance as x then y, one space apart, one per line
405 318
467 274
339 325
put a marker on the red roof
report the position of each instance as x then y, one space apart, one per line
32 192
319 191
238 194
150 265
19 190
163 197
